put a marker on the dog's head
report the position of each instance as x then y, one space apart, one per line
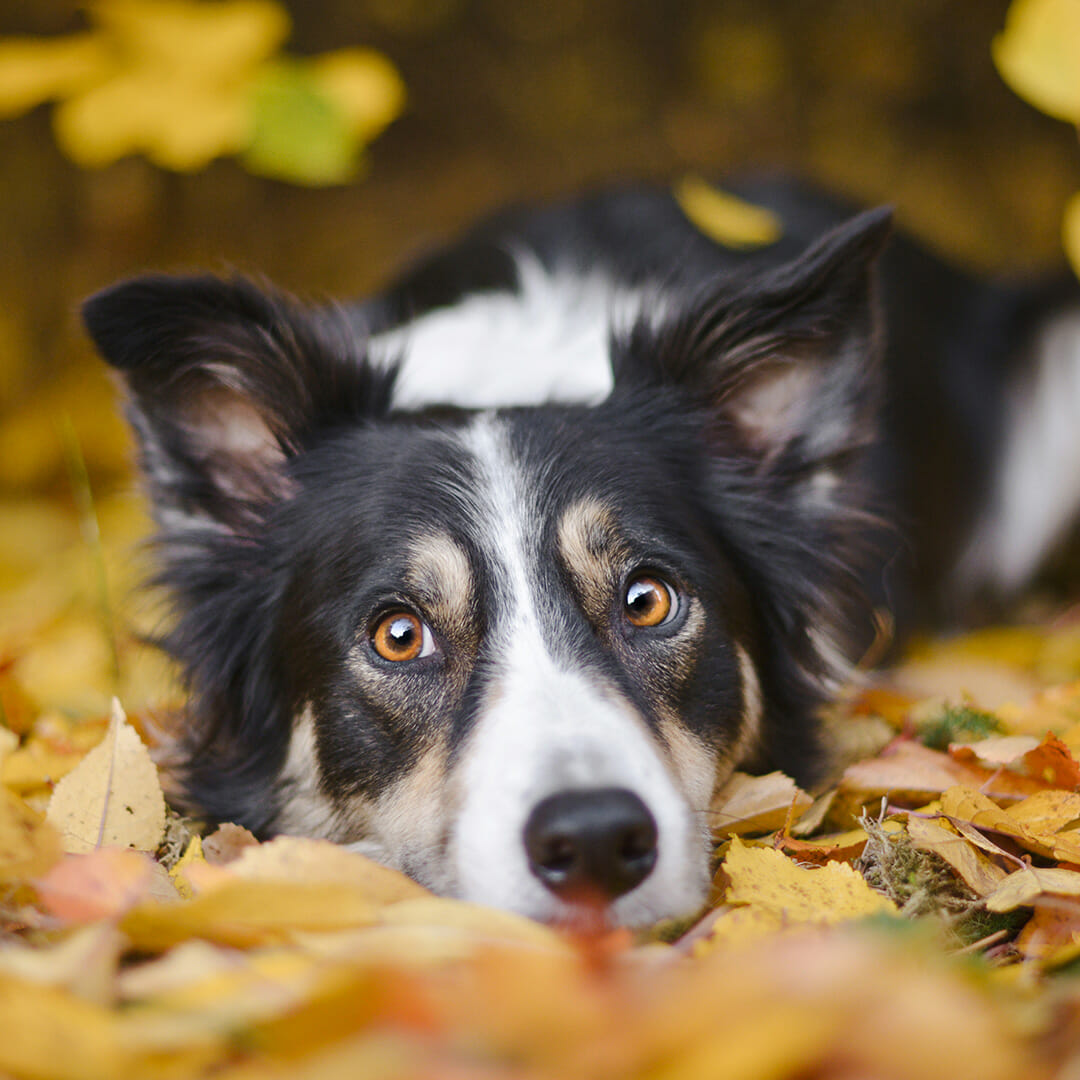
510 651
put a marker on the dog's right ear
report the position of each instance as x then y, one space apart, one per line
227 382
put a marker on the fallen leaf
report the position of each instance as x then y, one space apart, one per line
113 797
247 913
725 218
29 845
225 843
835 847
98 885
971 865
33 70
1023 887
1052 762
756 804
1052 934
179 873
766 879
85 962
995 751
306 861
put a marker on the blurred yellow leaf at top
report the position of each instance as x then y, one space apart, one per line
33 71
364 85
1038 55
724 217
179 88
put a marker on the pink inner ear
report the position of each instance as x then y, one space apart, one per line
235 444
769 405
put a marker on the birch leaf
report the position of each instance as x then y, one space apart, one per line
113 797
749 804
725 218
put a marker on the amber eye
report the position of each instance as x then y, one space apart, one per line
400 636
648 601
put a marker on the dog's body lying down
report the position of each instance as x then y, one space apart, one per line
497 574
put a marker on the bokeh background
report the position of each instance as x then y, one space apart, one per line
884 100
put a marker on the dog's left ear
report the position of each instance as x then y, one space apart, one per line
785 364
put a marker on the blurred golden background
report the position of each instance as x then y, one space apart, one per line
884 100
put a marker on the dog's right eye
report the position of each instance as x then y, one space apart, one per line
401 636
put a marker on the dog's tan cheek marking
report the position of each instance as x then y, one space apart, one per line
412 818
592 554
694 763
748 742
306 809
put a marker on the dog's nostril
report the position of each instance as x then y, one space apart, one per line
593 842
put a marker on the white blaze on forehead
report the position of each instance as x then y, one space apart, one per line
547 341
547 727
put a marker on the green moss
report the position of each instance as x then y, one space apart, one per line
957 724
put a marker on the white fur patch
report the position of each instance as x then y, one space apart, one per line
1038 487
546 728
547 342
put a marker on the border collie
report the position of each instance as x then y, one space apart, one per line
497 574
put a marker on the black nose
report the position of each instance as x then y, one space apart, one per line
584 843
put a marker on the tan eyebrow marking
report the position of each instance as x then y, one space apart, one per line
440 575
593 552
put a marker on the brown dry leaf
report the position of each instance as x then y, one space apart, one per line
908 771
1052 934
834 847
1023 887
973 867
305 861
29 845
113 797
226 843
98 885
993 752
1052 762
756 804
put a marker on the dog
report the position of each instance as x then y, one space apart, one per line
496 575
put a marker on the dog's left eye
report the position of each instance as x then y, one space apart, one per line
401 636
649 601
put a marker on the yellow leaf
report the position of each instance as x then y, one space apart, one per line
178 123
85 962
113 797
973 867
34 70
486 923
1023 887
214 40
1038 55
738 926
28 844
756 804
193 854
50 1035
1047 811
724 217
247 913
1070 230
302 860
364 84
828 894
98 885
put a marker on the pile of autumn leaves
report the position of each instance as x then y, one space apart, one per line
133 947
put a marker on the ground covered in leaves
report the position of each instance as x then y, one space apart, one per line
920 918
